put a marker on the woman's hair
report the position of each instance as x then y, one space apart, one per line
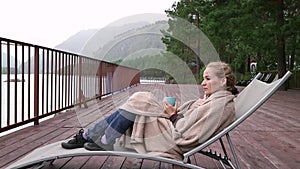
221 70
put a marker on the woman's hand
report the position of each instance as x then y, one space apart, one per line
169 109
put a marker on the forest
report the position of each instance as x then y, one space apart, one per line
239 32
242 31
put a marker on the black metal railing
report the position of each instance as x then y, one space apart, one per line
37 81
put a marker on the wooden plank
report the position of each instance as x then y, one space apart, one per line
14 151
132 163
95 162
165 166
203 161
257 154
113 162
58 163
150 164
76 162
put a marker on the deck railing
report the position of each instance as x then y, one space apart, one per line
37 82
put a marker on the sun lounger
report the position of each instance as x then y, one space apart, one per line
247 102
246 82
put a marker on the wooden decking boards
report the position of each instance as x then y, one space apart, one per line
270 138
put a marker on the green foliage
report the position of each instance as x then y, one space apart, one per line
165 65
5 70
240 30
201 74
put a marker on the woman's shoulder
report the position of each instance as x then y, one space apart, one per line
221 94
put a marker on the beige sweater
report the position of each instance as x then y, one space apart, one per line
153 133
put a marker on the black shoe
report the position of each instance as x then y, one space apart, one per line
77 142
99 147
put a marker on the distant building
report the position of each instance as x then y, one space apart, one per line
253 65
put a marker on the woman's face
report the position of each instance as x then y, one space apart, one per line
212 83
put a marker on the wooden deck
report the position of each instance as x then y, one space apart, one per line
270 138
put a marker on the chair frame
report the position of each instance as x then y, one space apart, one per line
225 160
225 132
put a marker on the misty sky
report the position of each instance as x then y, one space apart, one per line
50 22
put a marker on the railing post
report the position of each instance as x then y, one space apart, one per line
100 79
79 81
36 85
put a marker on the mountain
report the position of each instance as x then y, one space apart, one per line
135 43
76 42
118 41
86 42
105 35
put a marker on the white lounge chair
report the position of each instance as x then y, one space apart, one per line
247 102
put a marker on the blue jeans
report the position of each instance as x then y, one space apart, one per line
112 126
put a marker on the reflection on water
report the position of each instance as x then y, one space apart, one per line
19 104
17 98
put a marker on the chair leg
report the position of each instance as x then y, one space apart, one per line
226 156
223 147
38 166
233 152
51 162
221 162
224 160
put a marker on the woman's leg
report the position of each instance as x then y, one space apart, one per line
118 126
113 126
95 132
91 135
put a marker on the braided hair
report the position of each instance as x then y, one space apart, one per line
223 70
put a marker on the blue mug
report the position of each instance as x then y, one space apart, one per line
171 100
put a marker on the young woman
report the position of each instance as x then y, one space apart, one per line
163 129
